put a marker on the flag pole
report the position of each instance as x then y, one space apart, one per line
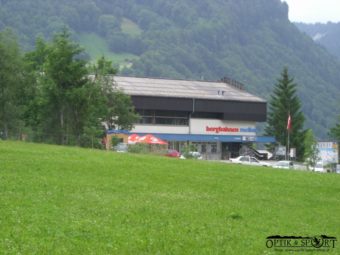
289 123
288 140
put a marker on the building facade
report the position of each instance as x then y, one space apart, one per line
215 117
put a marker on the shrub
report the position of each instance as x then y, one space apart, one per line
139 148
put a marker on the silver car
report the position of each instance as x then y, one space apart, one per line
248 160
285 164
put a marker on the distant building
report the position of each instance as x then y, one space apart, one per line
216 117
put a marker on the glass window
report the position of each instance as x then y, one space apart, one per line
254 160
146 120
214 148
206 115
244 159
204 148
174 118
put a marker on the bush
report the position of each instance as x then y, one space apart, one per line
115 141
186 151
139 148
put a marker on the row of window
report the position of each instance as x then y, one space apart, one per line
203 148
175 118
206 147
158 117
164 121
159 113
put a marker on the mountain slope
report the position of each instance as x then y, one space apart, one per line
327 35
248 40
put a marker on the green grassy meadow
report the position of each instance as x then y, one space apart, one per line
131 28
97 47
64 200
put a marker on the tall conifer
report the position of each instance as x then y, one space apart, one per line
284 103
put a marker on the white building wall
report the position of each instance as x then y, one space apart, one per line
161 129
202 127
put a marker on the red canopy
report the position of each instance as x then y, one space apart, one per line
150 139
134 138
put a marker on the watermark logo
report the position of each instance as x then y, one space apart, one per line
300 243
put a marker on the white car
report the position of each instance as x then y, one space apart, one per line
247 160
193 154
285 164
121 147
320 167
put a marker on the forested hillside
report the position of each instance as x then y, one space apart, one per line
248 40
327 35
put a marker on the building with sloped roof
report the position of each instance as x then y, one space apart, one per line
216 117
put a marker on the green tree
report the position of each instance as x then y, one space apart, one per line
311 149
63 92
11 86
68 88
335 131
37 103
68 105
121 111
284 103
118 110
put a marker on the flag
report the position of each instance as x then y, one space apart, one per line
289 123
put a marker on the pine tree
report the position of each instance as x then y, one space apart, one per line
284 103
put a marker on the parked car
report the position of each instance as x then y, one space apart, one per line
192 154
248 160
269 154
337 169
121 147
284 164
173 154
320 167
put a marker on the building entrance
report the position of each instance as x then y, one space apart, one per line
230 150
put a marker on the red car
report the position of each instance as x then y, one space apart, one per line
173 154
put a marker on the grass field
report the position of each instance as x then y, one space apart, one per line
131 28
61 200
97 47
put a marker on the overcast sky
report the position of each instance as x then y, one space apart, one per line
312 11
